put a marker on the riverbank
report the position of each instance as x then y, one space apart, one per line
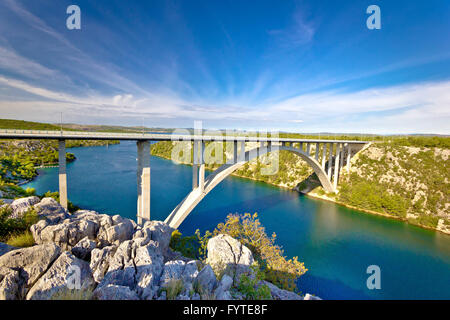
441 225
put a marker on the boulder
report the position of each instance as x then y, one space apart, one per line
173 270
149 265
280 294
224 295
67 272
180 270
22 205
222 291
4 248
118 233
157 231
311 297
114 292
137 267
51 210
228 256
31 262
206 280
10 284
84 248
66 234
100 261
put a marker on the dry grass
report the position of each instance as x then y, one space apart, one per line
21 240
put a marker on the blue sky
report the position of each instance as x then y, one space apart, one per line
304 66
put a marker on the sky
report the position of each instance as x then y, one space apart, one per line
299 66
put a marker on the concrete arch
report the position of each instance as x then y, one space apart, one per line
186 206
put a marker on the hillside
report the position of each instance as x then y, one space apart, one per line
403 177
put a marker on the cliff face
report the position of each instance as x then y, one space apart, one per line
409 182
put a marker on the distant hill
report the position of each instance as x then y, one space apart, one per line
26 125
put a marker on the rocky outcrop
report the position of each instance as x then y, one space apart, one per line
10 284
84 248
104 229
20 206
112 258
114 292
50 209
67 272
5 248
32 262
228 256
280 294
206 280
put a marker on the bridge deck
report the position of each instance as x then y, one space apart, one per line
83 135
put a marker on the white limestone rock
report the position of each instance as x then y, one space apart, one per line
206 280
311 297
5 248
50 209
280 294
84 248
114 292
10 284
100 261
227 255
31 262
67 272
20 206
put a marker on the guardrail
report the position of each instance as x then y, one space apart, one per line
49 134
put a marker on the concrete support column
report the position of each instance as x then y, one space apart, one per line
301 146
195 164
242 152
62 173
143 181
324 155
336 165
308 148
349 156
342 157
330 159
235 152
317 151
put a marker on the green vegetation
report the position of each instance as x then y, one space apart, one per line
405 177
250 288
405 181
15 228
21 240
273 265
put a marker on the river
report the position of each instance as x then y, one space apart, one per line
336 244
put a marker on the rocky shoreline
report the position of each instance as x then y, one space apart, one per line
112 258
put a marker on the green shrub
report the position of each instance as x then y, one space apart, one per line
12 227
270 257
248 286
187 246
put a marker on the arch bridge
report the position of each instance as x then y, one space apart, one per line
326 157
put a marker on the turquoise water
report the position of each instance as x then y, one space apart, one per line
335 243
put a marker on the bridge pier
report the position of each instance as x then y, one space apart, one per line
330 161
143 181
324 155
349 155
336 165
62 173
198 167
